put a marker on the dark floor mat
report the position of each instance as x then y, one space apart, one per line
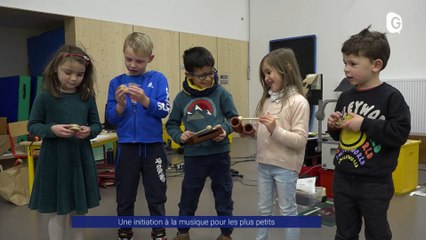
325 210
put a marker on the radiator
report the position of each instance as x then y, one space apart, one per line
414 91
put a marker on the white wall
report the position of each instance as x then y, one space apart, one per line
220 18
334 21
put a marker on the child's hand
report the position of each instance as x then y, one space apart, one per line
269 121
335 121
83 133
221 136
138 94
120 97
62 130
353 122
185 136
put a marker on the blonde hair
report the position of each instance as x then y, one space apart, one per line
139 42
284 62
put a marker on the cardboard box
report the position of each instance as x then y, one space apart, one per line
4 138
308 199
3 126
4 144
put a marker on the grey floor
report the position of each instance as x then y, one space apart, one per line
407 214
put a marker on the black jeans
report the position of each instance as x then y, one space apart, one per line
355 200
134 159
197 169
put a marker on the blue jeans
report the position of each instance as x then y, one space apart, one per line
197 169
275 181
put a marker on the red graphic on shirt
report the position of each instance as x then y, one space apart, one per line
200 105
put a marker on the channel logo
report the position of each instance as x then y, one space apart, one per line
393 22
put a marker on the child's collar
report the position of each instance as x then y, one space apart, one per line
195 87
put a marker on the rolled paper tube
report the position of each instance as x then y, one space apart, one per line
248 130
236 124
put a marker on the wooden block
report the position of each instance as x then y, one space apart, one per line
205 135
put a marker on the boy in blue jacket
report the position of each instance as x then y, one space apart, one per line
137 101
202 103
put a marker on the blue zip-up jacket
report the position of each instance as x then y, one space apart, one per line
138 124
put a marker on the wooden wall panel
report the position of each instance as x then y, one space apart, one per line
166 60
188 40
103 41
233 63
69 28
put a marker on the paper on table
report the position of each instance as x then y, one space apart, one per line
99 137
306 184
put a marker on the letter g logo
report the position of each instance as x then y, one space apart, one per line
393 22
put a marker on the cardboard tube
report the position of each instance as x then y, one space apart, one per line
236 124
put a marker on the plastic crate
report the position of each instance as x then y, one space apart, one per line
310 199
326 180
406 175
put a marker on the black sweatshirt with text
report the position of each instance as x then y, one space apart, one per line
372 153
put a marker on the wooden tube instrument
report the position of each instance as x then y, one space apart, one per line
236 124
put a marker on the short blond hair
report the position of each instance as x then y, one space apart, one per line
139 42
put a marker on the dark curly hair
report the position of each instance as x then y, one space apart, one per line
370 44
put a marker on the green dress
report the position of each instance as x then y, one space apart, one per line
65 178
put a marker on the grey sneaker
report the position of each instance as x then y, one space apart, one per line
182 236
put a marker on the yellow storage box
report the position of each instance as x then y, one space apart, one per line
168 140
406 174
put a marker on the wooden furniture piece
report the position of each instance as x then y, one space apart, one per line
101 140
15 130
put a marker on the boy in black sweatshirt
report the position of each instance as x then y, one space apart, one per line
371 122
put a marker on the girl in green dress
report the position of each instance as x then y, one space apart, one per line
65 181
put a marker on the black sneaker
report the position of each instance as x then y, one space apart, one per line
159 234
125 234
